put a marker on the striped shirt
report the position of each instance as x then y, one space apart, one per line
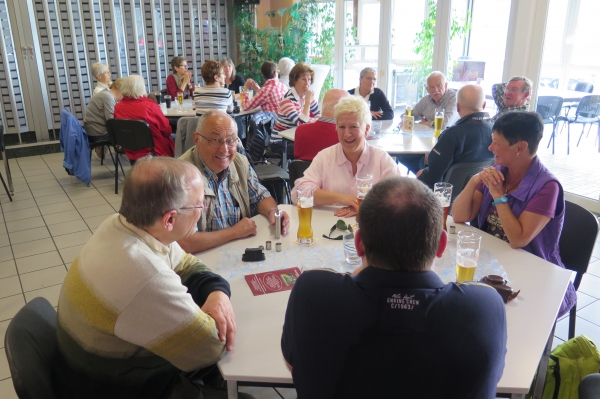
209 98
290 114
226 211
498 91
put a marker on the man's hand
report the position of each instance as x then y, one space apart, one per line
376 114
285 221
244 228
218 307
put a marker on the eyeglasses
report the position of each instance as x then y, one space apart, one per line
340 225
185 208
216 143
183 66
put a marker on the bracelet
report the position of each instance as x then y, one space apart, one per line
272 209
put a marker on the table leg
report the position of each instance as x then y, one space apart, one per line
541 373
232 390
284 143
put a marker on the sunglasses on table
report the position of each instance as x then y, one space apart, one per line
339 225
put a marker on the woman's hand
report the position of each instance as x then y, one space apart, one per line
187 77
494 181
351 207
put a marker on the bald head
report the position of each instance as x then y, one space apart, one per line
330 100
470 99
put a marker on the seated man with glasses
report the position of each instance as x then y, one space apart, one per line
231 186
511 96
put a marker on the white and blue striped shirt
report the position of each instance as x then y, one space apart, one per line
209 98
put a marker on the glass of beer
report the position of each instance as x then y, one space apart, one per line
364 182
437 124
409 108
443 192
305 206
180 100
467 255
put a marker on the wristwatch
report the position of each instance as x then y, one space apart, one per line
501 200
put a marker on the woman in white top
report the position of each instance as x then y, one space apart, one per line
101 72
212 95
333 171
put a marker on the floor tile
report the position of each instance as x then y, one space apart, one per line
69 254
18 205
38 262
4 241
90 192
582 326
110 189
7 389
8 268
3 228
21 214
114 197
590 285
20 237
4 370
51 293
56 208
39 177
10 286
52 199
33 166
33 248
590 313
6 254
72 239
73 186
110 182
42 192
19 188
62 217
98 210
24 224
10 305
43 278
68 227
3 327
95 221
44 184
89 202
28 173
16 196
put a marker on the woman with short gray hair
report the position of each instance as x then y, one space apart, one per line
379 105
101 72
136 105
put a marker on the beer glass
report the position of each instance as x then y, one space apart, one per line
364 182
443 192
439 121
180 100
305 206
467 255
409 108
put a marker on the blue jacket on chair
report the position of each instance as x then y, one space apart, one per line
74 143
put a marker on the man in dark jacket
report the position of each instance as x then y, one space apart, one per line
379 104
466 141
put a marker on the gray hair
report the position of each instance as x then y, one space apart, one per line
367 70
99 68
389 207
154 186
435 74
133 86
527 83
353 105
229 61
285 65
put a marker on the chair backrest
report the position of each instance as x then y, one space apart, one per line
30 345
130 134
589 107
258 139
184 136
549 107
459 174
585 87
577 239
296 170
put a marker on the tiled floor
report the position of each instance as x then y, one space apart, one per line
53 215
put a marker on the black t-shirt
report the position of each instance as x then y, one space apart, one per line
236 83
386 334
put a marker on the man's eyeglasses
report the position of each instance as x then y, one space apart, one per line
340 225
184 208
216 143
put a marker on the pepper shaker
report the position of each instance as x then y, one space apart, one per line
277 223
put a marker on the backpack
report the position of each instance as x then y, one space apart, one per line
569 363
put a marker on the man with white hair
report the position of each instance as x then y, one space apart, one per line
137 316
285 66
465 141
438 99
310 138
101 72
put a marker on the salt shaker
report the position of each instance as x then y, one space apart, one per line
277 223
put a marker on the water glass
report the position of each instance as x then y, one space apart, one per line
350 250
364 182
467 255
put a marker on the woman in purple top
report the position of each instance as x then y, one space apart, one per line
518 200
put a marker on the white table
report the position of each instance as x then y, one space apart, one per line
173 112
256 356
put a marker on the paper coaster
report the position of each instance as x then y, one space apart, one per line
306 245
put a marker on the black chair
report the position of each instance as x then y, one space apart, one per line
129 135
576 244
6 165
549 108
459 174
588 111
274 179
30 345
584 87
589 387
296 170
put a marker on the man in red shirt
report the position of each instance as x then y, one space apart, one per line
311 138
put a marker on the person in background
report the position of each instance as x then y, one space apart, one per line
101 72
231 186
310 138
180 79
157 330
136 105
212 95
380 106
518 200
512 96
465 141
233 81
285 66
100 109
333 171
298 106
269 96
394 328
